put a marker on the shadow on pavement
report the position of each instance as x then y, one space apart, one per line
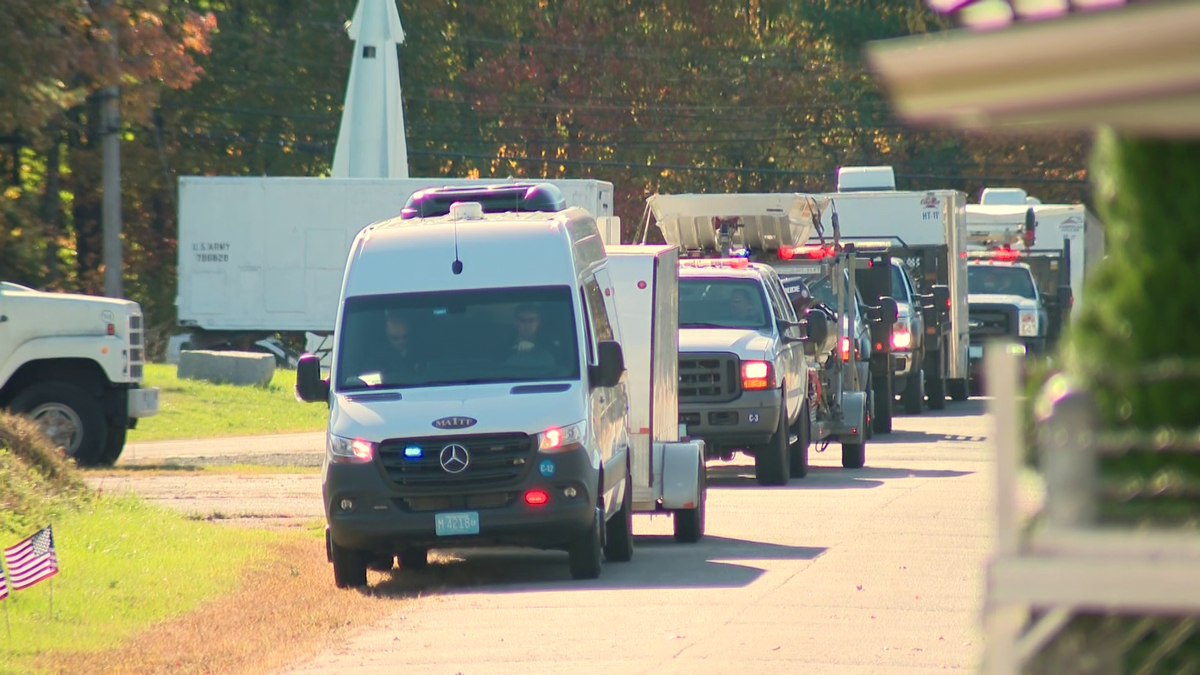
823 477
973 407
909 436
659 562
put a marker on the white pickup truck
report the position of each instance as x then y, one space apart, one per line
73 363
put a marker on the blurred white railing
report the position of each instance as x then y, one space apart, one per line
1041 576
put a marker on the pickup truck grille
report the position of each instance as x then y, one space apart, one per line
989 321
495 460
708 378
135 348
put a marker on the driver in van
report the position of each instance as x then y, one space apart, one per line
400 361
527 320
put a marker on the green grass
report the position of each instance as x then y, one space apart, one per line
123 565
191 409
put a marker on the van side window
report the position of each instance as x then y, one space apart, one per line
587 328
779 303
599 315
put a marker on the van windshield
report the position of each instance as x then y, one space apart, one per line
457 337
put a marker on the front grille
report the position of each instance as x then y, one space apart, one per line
690 419
708 378
495 460
989 321
489 500
135 350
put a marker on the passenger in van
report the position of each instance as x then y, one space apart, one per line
528 344
400 363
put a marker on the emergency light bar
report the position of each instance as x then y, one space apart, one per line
815 252
715 263
1001 254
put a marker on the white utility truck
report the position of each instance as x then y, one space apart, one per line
477 402
73 363
259 255
1056 226
927 230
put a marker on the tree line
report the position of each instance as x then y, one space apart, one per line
652 95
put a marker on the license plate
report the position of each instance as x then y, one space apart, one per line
975 352
450 524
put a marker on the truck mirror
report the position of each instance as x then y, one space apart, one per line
611 366
310 388
941 296
889 312
818 327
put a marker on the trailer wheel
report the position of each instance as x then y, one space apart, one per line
71 418
689 523
618 538
771 460
882 386
349 566
854 455
585 553
798 466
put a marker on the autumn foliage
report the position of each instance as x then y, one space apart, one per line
669 95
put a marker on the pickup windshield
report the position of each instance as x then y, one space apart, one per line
1000 280
713 302
457 337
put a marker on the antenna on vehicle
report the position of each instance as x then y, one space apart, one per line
456 267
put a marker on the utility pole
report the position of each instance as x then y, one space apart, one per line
110 126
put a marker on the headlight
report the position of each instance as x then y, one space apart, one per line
1028 323
562 439
349 450
901 337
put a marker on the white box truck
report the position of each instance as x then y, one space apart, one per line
265 254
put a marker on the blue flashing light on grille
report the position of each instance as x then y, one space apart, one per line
740 253
413 452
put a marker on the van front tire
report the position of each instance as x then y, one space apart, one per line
585 553
618 539
349 566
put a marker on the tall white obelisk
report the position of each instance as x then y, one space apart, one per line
371 141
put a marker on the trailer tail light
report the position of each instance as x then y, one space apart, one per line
757 375
787 253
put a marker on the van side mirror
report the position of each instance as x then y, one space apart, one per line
818 327
611 366
310 388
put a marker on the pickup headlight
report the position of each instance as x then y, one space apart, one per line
901 337
562 439
349 450
1028 323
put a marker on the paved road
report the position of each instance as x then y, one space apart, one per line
845 572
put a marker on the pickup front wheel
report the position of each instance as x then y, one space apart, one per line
70 417
771 460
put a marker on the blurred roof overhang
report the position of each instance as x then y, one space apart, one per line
1136 68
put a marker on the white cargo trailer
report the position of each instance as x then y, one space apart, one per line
267 254
1055 223
669 474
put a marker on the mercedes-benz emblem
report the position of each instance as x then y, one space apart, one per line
454 458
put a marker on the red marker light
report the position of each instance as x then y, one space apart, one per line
112 330
641 285
1006 254
787 253
536 497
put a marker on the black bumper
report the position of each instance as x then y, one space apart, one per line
385 517
750 419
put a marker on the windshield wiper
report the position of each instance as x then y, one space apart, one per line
706 325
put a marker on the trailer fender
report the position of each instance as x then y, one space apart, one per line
854 415
681 466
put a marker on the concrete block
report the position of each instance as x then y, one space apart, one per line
245 368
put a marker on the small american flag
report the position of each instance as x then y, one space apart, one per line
3 584
32 560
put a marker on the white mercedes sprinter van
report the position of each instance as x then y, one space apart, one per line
476 395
